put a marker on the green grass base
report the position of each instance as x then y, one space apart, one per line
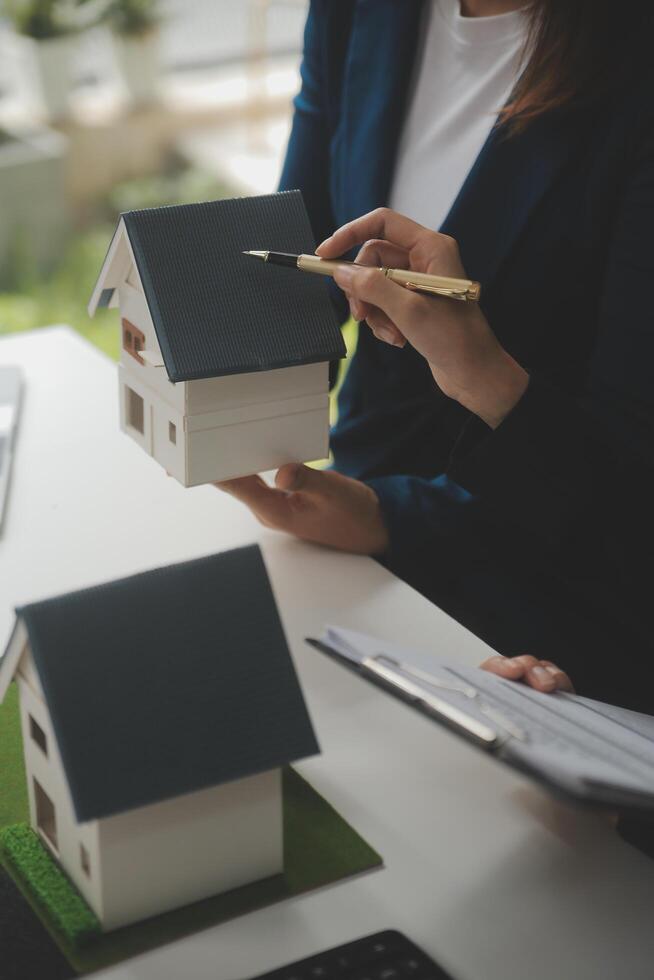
14 807
27 859
320 848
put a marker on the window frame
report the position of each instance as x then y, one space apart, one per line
46 815
38 735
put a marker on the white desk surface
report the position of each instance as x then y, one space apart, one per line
482 869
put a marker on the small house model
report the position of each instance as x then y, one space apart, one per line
224 362
156 713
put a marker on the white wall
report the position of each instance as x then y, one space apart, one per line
222 427
157 417
227 451
163 856
133 307
129 380
259 387
158 857
49 772
251 423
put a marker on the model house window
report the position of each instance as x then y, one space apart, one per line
133 340
85 860
172 433
46 819
135 410
38 735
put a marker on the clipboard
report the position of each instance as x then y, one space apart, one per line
499 741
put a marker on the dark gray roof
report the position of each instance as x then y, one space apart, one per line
168 682
215 310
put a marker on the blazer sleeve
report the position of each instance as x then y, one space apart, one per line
307 163
568 474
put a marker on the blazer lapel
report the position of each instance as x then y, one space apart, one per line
509 178
378 73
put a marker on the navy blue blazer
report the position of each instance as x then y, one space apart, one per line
533 534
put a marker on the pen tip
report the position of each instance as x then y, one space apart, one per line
257 255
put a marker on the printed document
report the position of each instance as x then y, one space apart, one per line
594 750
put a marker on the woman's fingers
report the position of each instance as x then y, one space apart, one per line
359 310
382 223
317 505
377 252
383 328
371 286
272 507
563 682
540 679
542 675
510 667
296 476
408 244
545 676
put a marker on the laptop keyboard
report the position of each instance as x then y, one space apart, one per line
387 955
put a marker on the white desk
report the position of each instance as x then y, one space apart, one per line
481 869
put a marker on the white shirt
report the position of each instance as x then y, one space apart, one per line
468 68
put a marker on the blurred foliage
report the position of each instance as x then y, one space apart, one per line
177 186
32 300
62 296
35 301
133 18
44 19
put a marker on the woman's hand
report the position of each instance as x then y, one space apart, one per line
542 675
466 359
316 505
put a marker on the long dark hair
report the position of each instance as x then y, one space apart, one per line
577 51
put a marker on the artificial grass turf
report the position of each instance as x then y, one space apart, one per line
48 886
320 848
14 807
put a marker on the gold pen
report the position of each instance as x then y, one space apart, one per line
420 282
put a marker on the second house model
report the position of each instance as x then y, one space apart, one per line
157 712
224 367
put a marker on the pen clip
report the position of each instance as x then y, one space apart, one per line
467 690
470 293
477 729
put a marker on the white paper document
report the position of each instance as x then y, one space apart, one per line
593 750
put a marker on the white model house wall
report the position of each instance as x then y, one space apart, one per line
210 394
216 428
151 406
134 309
230 441
154 424
248 423
294 430
258 388
170 854
74 845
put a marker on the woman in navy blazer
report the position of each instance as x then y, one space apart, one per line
532 527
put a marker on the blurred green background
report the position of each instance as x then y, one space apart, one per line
110 105
31 299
